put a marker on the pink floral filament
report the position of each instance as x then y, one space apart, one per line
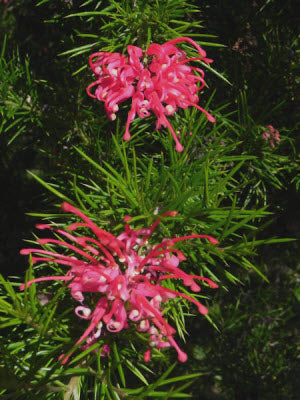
161 84
126 273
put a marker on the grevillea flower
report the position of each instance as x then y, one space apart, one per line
124 276
162 82
271 134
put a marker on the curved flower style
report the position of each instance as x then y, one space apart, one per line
130 290
163 82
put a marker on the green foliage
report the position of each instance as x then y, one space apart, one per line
19 106
254 354
132 22
228 183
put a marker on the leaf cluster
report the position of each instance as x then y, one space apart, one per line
225 183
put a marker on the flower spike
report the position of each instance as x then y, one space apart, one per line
162 84
128 294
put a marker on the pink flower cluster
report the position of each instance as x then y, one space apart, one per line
271 134
127 291
159 80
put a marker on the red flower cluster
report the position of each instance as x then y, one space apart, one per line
271 134
161 82
130 290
